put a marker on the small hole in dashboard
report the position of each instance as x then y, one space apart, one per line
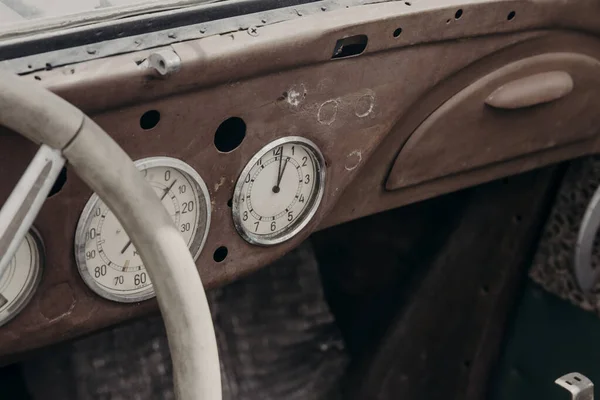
230 134
230 203
149 119
511 15
59 183
220 254
397 32
458 13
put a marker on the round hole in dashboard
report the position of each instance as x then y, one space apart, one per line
59 183
511 15
149 119
397 32
220 254
230 134
458 13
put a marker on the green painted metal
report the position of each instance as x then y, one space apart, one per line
549 337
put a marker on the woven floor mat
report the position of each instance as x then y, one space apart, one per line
553 262
276 335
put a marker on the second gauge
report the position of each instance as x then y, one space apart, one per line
107 260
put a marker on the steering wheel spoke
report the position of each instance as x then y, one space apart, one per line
26 200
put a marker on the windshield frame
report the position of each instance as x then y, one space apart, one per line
64 45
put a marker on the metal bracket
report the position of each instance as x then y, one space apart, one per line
580 386
166 62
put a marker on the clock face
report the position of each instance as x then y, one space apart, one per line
279 191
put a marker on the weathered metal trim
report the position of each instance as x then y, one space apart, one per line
146 31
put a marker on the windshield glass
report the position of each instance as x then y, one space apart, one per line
21 16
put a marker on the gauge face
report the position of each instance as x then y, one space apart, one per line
279 191
21 278
108 261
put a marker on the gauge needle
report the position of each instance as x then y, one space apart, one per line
161 199
167 190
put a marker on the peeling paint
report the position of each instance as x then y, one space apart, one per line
328 112
353 159
220 183
295 95
364 105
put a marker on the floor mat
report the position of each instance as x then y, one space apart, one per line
276 336
553 263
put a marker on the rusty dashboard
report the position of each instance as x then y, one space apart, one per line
405 100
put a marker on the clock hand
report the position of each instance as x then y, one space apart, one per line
282 171
276 187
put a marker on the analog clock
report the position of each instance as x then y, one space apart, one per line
279 191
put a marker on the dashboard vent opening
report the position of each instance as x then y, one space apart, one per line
350 46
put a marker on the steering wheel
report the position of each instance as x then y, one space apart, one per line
66 134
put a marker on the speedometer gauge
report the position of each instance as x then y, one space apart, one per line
279 191
21 278
107 260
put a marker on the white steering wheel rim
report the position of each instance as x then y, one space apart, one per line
43 117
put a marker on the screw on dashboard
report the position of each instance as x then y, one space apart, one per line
253 30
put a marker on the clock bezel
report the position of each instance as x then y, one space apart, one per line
310 210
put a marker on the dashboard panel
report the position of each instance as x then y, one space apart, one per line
235 93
